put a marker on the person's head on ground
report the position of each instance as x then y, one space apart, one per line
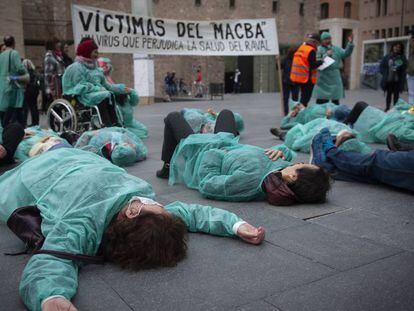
313 39
123 155
9 42
88 49
298 183
397 48
53 44
145 236
326 38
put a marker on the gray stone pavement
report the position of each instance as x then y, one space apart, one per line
356 252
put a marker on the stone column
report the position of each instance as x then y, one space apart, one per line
143 64
11 22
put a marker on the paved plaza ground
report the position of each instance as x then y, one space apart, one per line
356 252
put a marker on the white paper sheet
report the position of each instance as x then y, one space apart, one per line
327 61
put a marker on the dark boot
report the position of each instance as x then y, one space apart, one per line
395 145
164 172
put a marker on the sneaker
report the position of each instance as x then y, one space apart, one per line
342 137
275 131
320 145
164 172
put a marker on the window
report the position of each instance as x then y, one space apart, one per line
377 34
275 7
197 2
396 31
347 9
406 30
389 32
301 9
383 34
232 4
379 7
324 10
385 7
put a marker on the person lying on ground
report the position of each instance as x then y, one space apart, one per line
222 169
394 168
89 206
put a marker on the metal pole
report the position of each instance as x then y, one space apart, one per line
402 18
279 71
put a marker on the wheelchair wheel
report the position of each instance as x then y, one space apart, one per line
61 116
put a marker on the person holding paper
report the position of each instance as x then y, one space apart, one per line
329 85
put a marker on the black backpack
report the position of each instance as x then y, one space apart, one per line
25 222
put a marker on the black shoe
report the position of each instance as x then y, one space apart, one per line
164 173
395 145
276 132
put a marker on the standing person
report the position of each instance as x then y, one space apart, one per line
410 71
67 60
31 93
304 65
54 67
236 85
393 70
12 74
288 86
199 83
329 85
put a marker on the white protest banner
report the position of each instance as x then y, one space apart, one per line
117 32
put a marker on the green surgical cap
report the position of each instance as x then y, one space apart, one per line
325 35
123 155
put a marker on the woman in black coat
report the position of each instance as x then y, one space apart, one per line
393 69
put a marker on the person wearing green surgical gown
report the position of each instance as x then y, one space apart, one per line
204 122
126 103
11 95
300 136
222 169
119 145
374 125
329 86
88 204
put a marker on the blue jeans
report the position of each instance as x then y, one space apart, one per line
394 168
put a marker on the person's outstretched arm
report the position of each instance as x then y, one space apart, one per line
281 152
215 221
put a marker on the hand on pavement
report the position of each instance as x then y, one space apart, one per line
58 304
251 234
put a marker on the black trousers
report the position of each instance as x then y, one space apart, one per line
12 136
108 113
324 101
30 104
392 90
288 89
13 115
306 90
356 112
177 128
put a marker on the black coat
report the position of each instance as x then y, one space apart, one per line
401 71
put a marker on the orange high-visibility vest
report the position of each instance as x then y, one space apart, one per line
299 72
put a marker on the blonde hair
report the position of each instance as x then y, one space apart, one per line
28 64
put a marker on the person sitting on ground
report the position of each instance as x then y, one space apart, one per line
220 168
10 138
394 168
112 214
118 145
86 81
125 102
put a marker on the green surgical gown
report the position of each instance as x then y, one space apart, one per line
78 193
10 95
222 169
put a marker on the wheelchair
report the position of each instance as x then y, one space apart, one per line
67 114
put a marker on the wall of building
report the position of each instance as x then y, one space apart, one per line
11 23
337 8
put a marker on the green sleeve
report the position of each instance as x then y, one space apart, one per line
77 84
46 276
199 218
287 123
17 64
238 185
115 88
289 154
348 50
